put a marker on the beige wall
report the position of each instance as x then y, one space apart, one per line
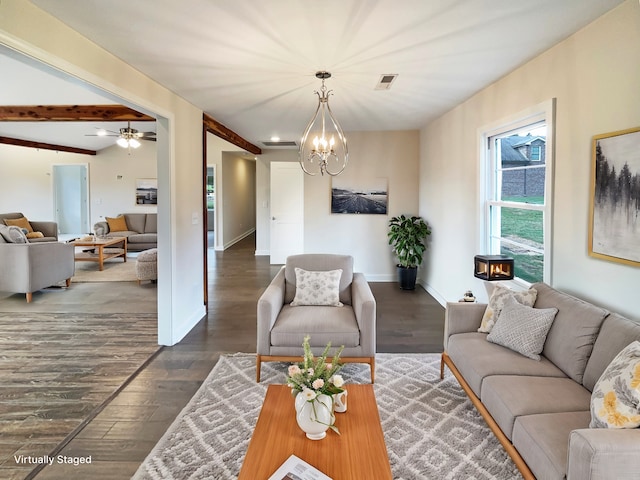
372 155
238 198
595 77
26 180
28 30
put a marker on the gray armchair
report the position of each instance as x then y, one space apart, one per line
29 267
282 327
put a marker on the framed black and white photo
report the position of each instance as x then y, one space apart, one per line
146 191
366 196
614 231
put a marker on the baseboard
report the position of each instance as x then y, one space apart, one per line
237 239
187 325
433 292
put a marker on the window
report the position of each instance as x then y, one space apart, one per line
517 192
535 153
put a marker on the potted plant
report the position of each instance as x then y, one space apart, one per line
406 237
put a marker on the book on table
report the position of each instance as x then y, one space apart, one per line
295 468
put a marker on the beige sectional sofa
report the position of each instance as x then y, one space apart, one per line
141 232
540 410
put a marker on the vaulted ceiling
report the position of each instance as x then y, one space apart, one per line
251 64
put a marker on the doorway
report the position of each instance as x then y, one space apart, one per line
71 198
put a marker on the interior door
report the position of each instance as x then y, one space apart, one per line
287 211
71 199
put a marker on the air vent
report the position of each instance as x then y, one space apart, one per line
281 143
385 81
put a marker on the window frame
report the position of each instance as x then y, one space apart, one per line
541 113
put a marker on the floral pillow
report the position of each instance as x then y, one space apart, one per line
615 400
317 288
15 235
496 304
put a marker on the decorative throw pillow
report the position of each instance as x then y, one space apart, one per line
35 235
522 329
117 224
317 288
21 222
496 302
16 235
615 400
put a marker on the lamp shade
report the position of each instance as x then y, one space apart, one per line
493 267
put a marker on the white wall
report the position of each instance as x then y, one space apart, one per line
595 77
29 30
372 155
238 199
26 180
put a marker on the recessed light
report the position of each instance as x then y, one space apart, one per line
101 133
275 139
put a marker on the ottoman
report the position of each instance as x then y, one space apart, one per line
147 265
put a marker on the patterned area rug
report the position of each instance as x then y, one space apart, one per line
115 270
431 429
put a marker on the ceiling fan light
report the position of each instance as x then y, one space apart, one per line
123 142
133 143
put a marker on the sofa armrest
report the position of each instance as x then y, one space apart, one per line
48 229
269 305
364 308
462 317
603 453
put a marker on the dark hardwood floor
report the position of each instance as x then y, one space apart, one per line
124 432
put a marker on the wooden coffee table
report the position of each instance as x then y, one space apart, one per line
99 245
358 452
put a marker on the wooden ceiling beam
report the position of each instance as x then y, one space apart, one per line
227 134
71 113
45 146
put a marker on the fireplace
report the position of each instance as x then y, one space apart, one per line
493 267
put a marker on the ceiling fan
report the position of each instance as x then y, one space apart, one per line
128 137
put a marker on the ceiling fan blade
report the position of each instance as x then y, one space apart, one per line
150 139
96 135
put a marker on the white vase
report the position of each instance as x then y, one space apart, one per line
314 417
340 402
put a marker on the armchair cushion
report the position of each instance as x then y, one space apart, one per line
324 324
317 288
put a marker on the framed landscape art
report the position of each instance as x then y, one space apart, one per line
366 196
614 230
146 191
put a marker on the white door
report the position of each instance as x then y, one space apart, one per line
287 211
71 199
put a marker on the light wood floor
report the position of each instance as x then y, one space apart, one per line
125 431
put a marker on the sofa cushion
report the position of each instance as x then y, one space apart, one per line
522 329
616 333
496 303
317 288
136 221
508 397
21 222
615 402
15 235
574 330
543 441
319 262
117 224
142 237
476 359
151 223
322 324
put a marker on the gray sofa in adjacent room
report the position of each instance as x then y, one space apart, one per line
48 229
542 411
141 231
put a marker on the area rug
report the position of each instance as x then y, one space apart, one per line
432 431
115 270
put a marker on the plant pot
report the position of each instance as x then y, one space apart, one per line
407 277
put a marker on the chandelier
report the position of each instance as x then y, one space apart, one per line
323 147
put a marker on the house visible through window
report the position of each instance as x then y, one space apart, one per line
517 195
